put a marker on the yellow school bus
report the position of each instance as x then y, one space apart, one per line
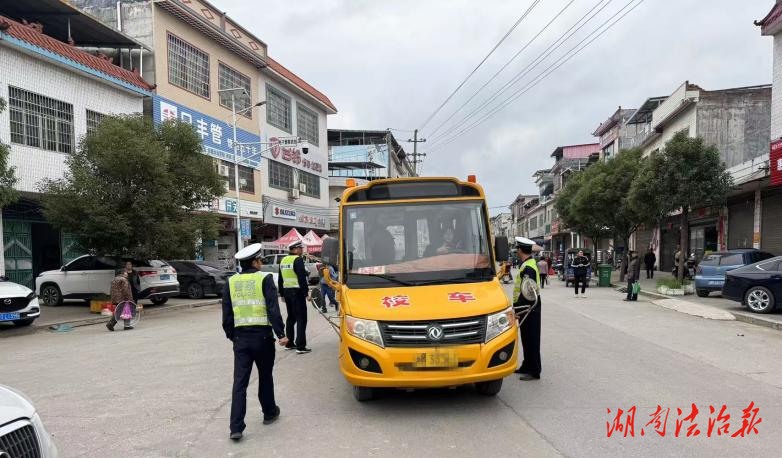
420 302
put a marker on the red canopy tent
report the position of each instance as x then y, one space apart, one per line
312 243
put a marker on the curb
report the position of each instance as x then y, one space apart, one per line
34 328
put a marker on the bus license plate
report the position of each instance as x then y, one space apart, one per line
9 316
164 277
436 359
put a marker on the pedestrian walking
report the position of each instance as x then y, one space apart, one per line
326 290
580 265
292 281
133 279
632 271
543 270
530 329
121 296
649 262
251 320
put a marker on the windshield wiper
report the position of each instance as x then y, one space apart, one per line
389 278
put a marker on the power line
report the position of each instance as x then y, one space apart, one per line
434 132
561 40
541 76
519 21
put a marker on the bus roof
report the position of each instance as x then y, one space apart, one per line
413 188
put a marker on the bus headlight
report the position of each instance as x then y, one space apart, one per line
367 330
498 323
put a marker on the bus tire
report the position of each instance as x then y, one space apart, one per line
363 393
490 388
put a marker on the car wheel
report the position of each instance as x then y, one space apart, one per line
22 323
195 291
490 388
159 300
51 296
702 292
760 300
363 393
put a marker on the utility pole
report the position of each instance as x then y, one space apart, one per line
416 154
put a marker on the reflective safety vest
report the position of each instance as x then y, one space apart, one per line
290 280
530 262
247 299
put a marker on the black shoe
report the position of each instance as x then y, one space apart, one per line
303 350
127 328
235 436
290 347
268 420
528 377
323 310
109 327
519 371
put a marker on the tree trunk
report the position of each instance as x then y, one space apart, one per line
683 242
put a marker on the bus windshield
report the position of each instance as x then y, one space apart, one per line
415 244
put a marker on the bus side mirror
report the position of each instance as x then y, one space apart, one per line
501 249
330 251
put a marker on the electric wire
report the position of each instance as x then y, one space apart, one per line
519 21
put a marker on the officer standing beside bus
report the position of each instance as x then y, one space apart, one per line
251 320
530 330
292 281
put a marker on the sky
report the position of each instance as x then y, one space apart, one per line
390 64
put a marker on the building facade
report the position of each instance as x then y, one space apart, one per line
199 58
614 133
44 120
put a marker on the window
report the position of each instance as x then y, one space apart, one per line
246 178
40 121
307 124
312 184
104 263
281 176
772 266
228 78
93 120
188 67
757 256
732 260
278 109
711 260
83 263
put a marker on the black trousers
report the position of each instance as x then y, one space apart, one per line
581 278
650 271
296 319
530 333
252 348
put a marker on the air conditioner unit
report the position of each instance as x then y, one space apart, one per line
302 187
294 194
223 170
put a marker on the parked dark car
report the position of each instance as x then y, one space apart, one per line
756 286
711 271
199 278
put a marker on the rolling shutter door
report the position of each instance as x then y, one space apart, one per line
770 221
741 224
643 239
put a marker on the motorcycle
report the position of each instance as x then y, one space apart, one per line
689 271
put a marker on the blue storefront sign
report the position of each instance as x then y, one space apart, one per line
244 226
231 206
216 135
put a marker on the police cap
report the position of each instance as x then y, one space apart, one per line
295 245
248 252
522 242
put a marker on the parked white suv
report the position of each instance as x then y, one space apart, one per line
272 264
18 304
21 431
88 276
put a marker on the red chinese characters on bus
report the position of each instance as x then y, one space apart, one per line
461 297
395 301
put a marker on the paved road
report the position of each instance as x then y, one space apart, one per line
163 390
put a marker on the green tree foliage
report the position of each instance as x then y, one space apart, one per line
687 174
8 194
135 189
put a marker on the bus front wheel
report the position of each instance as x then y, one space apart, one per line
490 388
363 393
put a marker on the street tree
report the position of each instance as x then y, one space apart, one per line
8 194
576 207
134 189
687 174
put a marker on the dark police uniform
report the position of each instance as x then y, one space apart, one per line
530 330
292 281
251 320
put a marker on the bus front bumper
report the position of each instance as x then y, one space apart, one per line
401 367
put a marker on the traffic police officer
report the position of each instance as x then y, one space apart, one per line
530 330
251 315
292 281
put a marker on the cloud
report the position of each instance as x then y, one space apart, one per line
390 64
